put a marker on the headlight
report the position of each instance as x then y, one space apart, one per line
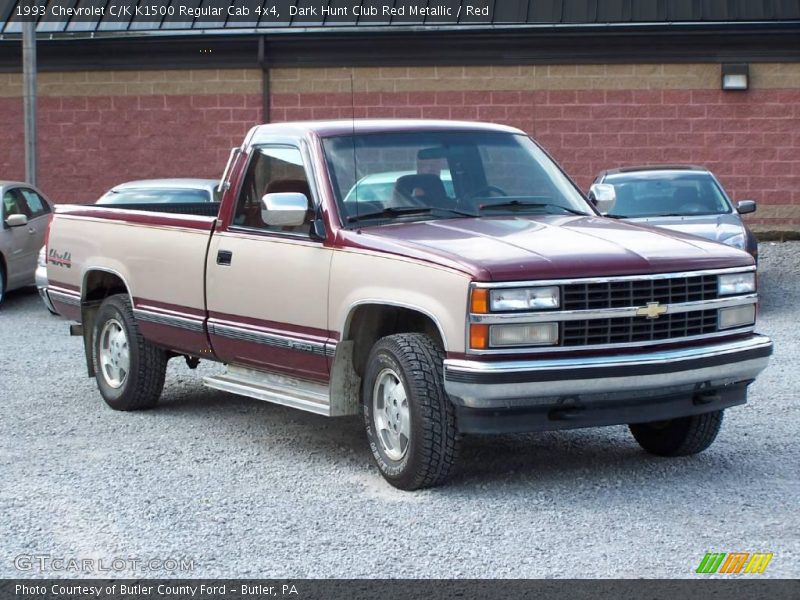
736 283
42 260
737 316
538 298
737 241
528 334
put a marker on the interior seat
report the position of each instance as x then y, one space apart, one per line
420 189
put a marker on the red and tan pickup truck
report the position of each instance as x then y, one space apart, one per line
438 278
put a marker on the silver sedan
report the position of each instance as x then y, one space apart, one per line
25 214
681 198
160 191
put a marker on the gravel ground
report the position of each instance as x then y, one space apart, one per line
244 488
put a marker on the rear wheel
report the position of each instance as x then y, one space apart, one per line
678 437
129 370
409 419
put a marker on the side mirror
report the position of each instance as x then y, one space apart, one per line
746 206
16 220
285 209
603 196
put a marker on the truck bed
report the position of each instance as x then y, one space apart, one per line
158 253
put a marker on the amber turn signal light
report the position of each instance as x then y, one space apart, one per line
479 301
478 336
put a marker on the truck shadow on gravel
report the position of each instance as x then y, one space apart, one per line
18 300
588 458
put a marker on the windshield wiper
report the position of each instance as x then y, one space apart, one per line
390 211
403 211
524 204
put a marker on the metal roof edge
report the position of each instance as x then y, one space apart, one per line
290 31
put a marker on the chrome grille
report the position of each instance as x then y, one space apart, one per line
620 294
638 329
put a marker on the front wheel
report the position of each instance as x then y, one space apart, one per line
129 370
409 419
678 437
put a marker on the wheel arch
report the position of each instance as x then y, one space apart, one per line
367 322
98 284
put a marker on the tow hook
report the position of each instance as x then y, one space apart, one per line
568 411
706 397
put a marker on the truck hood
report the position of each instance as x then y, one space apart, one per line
713 227
514 248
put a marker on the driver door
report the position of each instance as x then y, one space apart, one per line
267 289
20 244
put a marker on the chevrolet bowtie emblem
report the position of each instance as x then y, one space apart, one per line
653 310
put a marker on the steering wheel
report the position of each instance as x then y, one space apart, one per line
488 190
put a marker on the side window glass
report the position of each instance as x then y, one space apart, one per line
11 204
272 170
36 205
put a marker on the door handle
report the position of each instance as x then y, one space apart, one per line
31 230
224 257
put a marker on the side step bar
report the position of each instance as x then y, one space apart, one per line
271 387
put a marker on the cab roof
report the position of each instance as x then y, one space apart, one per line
262 133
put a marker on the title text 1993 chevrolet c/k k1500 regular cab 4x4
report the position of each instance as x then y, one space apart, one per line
500 302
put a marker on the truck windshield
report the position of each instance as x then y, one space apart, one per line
445 174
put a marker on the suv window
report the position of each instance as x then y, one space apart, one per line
35 203
272 170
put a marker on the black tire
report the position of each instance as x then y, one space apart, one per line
678 437
432 446
141 386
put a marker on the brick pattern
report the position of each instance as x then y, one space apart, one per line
700 76
91 143
100 128
591 117
134 83
751 140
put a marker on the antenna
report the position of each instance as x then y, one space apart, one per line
353 122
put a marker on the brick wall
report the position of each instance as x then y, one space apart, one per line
98 129
594 117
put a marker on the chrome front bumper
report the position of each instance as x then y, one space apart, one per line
537 383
